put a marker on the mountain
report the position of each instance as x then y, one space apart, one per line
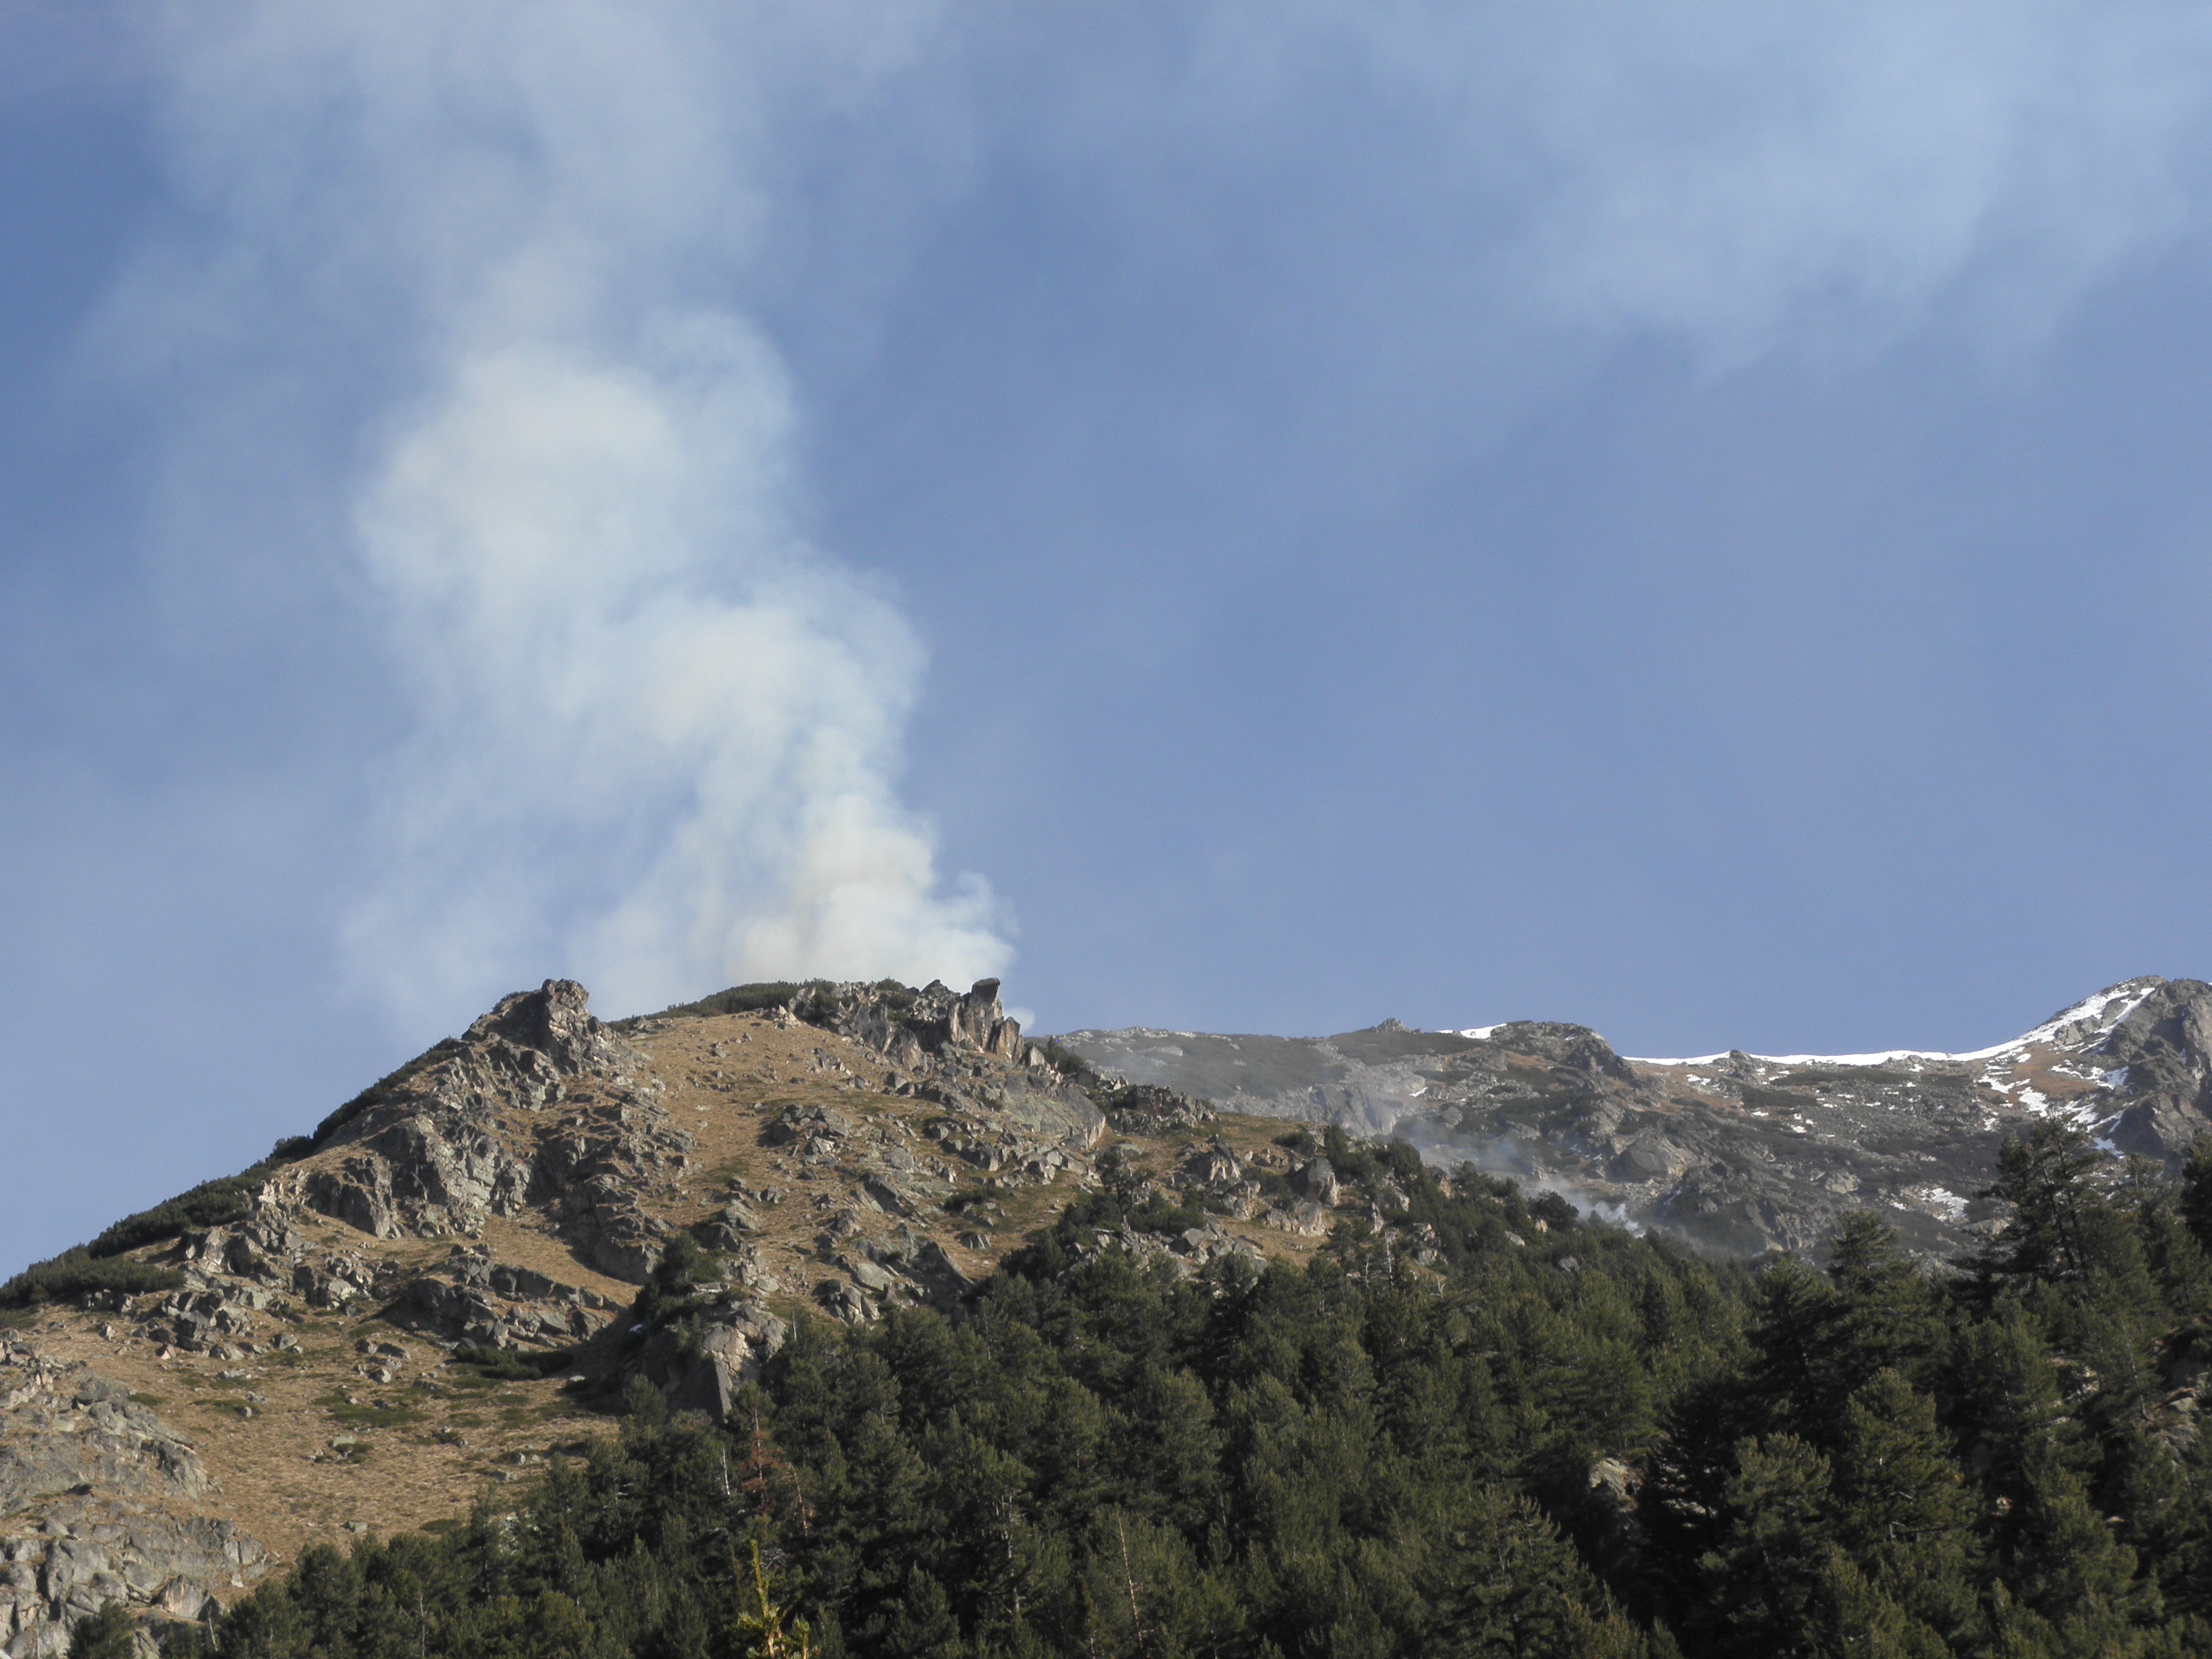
1741 1152
454 1274
454 1284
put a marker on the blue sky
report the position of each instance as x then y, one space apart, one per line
1237 517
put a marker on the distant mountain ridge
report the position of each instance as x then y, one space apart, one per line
1738 1152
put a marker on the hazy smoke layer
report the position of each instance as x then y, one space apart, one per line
653 734
650 736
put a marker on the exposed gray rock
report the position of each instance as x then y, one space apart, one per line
1317 1180
84 1470
908 1027
1214 1166
473 1136
1147 1108
1736 1151
472 1299
2158 1062
701 1364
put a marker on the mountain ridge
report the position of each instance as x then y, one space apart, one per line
1738 1152
464 1269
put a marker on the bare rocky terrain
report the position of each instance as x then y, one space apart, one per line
1737 1151
439 1291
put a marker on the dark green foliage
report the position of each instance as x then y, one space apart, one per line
77 1273
1066 1060
742 999
511 1364
92 1269
1574 1443
684 1267
104 1634
2196 1203
212 1204
89 1269
1551 1210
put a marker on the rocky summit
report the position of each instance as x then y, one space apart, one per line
461 1270
1740 1153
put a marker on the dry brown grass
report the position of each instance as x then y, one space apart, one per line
429 1453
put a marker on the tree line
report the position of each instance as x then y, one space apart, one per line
1555 1439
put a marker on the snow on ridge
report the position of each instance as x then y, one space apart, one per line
2096 1012
1882 1058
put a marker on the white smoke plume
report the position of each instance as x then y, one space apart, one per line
652 737
640 700
652 734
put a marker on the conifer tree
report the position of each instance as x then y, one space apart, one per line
763 1629
1767 1577
1886 1316
104 1634
1903 1510
2195 1201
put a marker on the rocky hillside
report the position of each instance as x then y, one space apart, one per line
1743 1153
460 1272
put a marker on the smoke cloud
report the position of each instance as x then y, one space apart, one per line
501 254
652 734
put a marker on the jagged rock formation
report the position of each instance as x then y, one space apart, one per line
536 1105
908 1027
1739 1151
701 1365
97 1504
486 1304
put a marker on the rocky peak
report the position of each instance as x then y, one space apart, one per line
908 1025
1575 1047
539 1105
555 1208
2159 1057
555 1020
1742 1152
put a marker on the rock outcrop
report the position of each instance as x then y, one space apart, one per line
474 1299
98 1501
538 1104
700 1365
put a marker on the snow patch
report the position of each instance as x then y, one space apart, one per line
1944 1202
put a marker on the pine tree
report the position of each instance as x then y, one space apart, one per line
2195 1199
104 1634
761 1631
1792 1336
1902 1509
2060 1225
1886 1316
1766 1577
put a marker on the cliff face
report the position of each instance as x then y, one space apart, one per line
1738 1152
